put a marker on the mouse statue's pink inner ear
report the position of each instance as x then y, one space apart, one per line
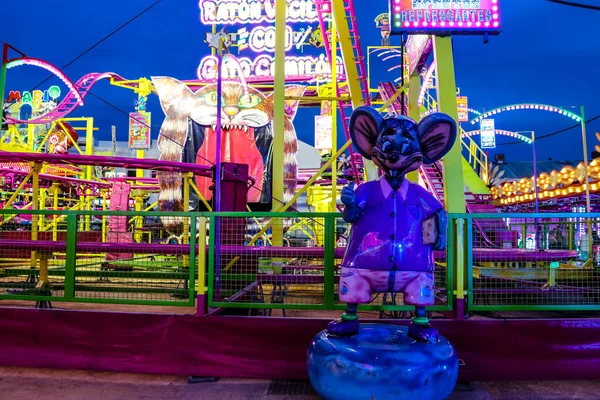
437 134
365 123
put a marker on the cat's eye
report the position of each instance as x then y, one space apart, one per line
249 101
211 99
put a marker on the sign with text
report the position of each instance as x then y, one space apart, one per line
250 26
463 108
139 130
488 134
323 128
445 17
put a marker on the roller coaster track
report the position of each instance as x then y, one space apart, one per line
349 46
73 99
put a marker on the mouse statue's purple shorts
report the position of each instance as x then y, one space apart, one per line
391 249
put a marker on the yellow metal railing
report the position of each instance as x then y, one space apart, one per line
477 158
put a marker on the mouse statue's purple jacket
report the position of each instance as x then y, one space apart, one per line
389 235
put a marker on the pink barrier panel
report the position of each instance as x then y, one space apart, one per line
275 348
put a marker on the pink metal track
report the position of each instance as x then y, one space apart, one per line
323 9
72 100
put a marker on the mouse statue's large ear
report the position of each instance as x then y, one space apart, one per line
364 129
437 134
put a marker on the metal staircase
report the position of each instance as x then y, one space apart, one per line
387 90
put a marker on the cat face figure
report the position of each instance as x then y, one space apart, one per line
246 126
240 111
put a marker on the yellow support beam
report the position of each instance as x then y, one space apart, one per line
278 121
454 185
333 43
16 193
414 112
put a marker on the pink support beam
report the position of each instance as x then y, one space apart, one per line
479 254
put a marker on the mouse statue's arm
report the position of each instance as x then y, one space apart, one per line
352 212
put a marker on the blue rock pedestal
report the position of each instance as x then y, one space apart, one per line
381 362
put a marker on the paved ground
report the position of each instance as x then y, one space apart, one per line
40 384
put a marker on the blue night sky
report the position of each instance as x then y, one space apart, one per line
546 53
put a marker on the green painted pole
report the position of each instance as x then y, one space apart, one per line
329 260
71 257
3 76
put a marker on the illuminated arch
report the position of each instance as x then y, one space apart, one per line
501 133
527 106
36 62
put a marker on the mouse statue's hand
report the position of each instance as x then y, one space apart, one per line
348 196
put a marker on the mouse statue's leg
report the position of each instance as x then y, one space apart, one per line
355 289
420 329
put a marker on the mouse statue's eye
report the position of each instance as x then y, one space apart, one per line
386 146
406 148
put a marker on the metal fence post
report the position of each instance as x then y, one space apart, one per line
211 259
460 269
192 264
329 260
201 283
71 256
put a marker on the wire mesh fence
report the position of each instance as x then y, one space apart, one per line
111 257
540 262
27 270
287 260
268 260
290 261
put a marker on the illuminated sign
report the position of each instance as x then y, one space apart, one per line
257 35
234 12
323 129
40 102
467 17
463 108
264 65
139 130
36 96
488 134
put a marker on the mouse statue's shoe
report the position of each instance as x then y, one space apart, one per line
423 332
348 325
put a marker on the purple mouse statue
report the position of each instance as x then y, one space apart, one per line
396 224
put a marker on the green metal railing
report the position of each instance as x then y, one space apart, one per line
72 264
315 291
540 278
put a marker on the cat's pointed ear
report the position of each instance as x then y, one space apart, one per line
291 106
175 97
